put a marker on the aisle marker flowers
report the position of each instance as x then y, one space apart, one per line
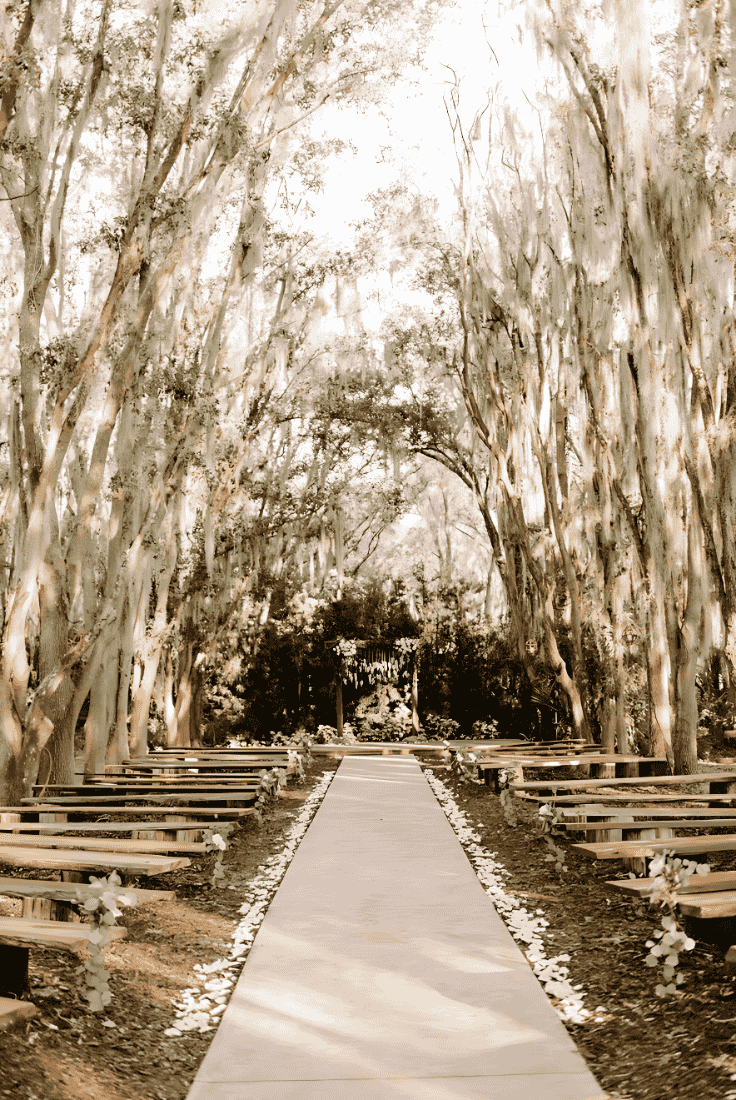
201 1006
526 927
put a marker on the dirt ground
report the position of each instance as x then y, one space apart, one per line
638 1046
66 1052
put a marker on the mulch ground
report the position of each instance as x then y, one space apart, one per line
638 1046
66 1052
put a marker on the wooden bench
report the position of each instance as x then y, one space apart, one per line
624 766
713 882
13 1012
623 829
707 898
59 900
630 798
637 853
55 859
41 806
644 812
86 828
114 801
141 787
161 845
19 934
718 782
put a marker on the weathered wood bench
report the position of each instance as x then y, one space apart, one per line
19 934
57 900
14 1012
721 782
56 859
162 845
87 828
644 812
42 805
630 799
115 801
623 766
706 899
618 825
637 853
176 764
143 787
714 881
69 892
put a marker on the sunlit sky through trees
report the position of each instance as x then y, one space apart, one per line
478 43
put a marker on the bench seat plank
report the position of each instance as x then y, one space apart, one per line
556 760
115 800
70 891
12 1011
32 932
697 884
42 806
630 798
683 845
143 789
635 781
709 906
56 859
643 823
645 812
83 828
103 844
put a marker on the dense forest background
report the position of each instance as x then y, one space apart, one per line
504 431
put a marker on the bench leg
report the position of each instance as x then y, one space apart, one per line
14 980
603 835
640 864
650 767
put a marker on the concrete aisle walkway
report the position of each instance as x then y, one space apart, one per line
383 972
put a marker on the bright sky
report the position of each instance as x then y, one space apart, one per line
416 129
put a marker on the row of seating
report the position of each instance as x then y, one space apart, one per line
162 805
631 817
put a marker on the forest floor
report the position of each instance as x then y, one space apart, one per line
66 1052
638 1046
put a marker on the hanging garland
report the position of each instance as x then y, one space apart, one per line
364 664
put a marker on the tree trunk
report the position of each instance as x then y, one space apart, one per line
691 636
338 704
152 648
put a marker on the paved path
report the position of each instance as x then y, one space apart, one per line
383 972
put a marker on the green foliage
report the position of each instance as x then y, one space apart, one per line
472 673
288 678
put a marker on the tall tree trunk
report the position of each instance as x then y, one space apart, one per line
691 637
152 648
53 648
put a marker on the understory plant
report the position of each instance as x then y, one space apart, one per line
670 874
507 800
549 817
465 766
216 841
271 782
100 903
